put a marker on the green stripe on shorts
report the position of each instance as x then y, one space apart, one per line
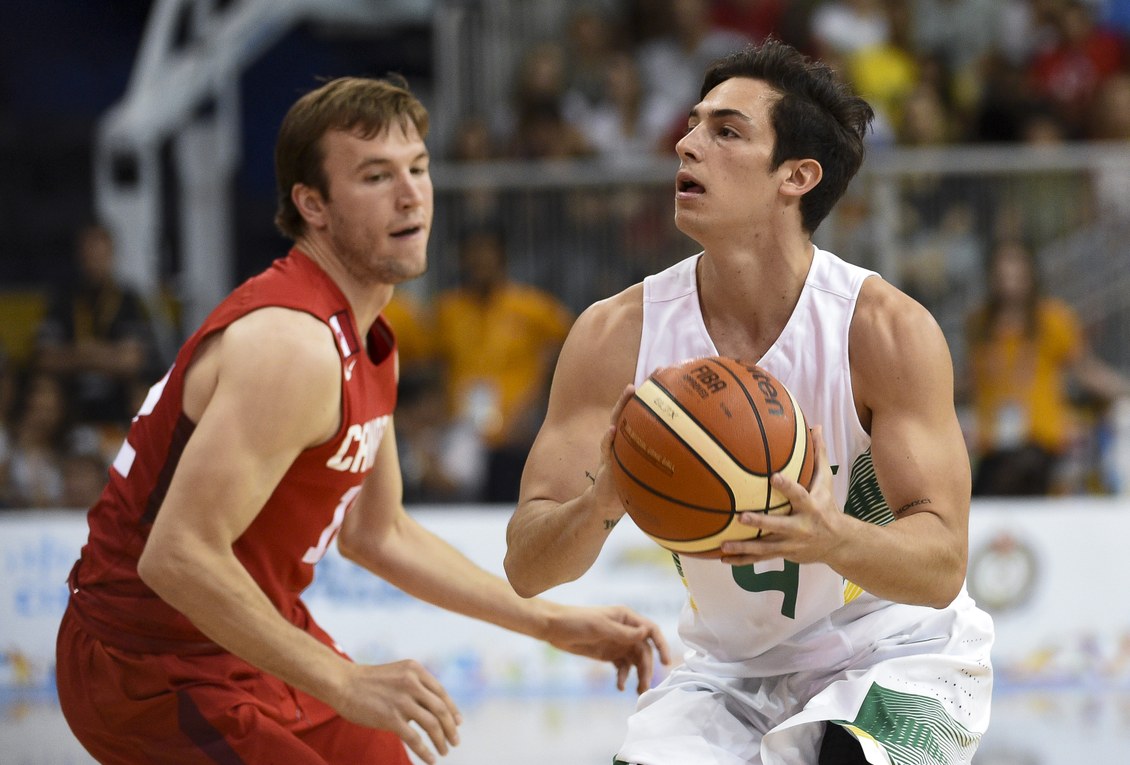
912 729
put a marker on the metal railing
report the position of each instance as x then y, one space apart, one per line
923 218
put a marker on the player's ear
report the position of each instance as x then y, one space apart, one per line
803 176
309 203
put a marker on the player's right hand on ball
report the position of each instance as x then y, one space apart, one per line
391 696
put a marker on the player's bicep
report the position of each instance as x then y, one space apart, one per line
276 392
918 451
595 364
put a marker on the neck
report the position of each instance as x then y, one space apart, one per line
366 298
747 298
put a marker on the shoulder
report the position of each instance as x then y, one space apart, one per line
600 352
886 316
281 350
280 366
895 343
612 324
280 331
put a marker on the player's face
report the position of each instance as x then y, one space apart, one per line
379 209
724 186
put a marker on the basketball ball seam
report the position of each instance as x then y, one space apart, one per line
760 429
723 460
698 457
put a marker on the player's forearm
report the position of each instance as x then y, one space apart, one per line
429 569
215 592
550 543
916 560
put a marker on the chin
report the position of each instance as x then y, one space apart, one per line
685 223
399 272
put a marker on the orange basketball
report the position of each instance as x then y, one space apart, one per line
696 445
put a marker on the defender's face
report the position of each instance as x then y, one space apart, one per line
379 206
724 184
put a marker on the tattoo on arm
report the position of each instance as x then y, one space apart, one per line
609 523
902 510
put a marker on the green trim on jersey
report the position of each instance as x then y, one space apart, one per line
864 498
912 729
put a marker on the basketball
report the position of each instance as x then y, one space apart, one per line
696 445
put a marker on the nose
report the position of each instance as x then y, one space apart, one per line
685 147
413 190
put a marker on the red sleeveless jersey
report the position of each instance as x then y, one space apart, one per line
302 515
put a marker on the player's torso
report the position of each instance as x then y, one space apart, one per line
302 515
736 613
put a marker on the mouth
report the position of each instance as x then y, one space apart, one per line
407 232
687 185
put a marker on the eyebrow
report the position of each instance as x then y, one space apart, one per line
382 161
722 113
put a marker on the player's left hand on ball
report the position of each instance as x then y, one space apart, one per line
610 633
806 534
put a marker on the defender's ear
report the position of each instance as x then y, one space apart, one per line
309 203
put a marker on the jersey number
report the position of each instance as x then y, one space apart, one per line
315 553
786 581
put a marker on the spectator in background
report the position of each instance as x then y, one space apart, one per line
83 474
1024 351
474 144
97 336
39 425
497 343
543 132
1082 57
756 19
886 72
959 35
540 129
1049 204
415 336
591 40
939 217
623 125
441 459
1026 26
1110 121
843 27
1004 102
671 64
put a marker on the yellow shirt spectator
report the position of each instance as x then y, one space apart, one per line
1019 385
1024 349
498 354
415 341
497 342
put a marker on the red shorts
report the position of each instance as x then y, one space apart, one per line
128 708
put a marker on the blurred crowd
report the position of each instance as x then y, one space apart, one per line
618 80
615 82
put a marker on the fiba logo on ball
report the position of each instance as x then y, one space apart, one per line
696 445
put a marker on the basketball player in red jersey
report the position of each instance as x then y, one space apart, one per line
185 639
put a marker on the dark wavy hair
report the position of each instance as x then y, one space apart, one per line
817 116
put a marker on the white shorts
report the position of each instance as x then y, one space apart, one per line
917 697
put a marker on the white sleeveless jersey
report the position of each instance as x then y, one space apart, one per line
735 617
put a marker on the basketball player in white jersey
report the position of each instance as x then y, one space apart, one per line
845 635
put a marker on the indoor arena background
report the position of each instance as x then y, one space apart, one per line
157 118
